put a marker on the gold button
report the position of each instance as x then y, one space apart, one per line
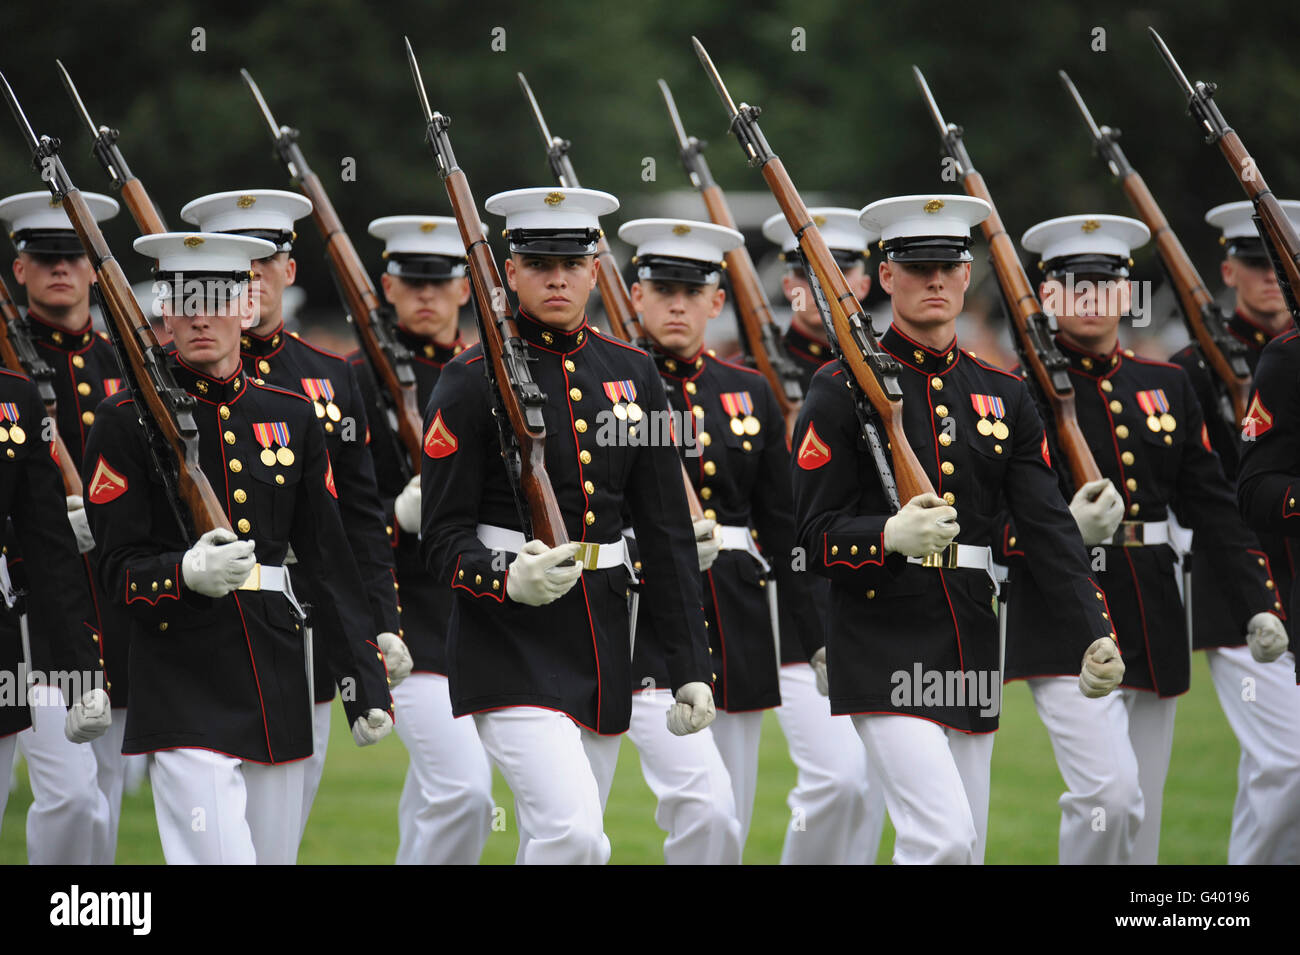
1106 385
997 448
945 439
706 439
496 585
224 412
279 479
1086 363
1116 407
78 361
88 417
697 411
1260 561
590 518
747 446
244 526
167 584
1100 595
230 437
873 548
1169 439
936 384
1133 509
706 492
585 457
711 514
460 575
1127 457
835 549
636 565
388 529
575 394
101 661
1277 605
670 365
1131 484
95 637
154 586
9 451
329 427
918 356
569 365
950 498
264 366
161 626
690 388
871 595
1269 584
83 389
589 487
235 465
853 549
947 467
132 588
1011 542
710 468
1121 431
941 410
580 426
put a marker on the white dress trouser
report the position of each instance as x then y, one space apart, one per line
1151 731
1262 704
445 812
688 778
68 817
214 809
314 765
1102 807
110 768
936 783
736 736
560 775
836 812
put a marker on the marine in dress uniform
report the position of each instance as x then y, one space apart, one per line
69 822
537 649
1144 428
283 359
837 814
1266 813
445 810
63 639
219 658
912 630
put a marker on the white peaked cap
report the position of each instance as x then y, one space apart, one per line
1085 235
1233 219
41 211
203 251
249 210
907 217
840 228
551 208
420 235
681 239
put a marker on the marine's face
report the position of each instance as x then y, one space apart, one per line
675 313
427 307
56 282
1258 293
551 288
206 327
926 294
1089 307
272 275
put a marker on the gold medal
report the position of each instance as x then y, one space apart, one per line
750 424
4 433
268 457
1166 421
1153 423
737 426
284 456
984 427
620 411
1000 430
18 436
634 412
319 409
332 410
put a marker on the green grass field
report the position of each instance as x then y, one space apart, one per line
355 816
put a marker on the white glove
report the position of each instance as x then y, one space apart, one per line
1097 508
407 507
818 663
693 710
89 718
80 525
397 658
218 563
535 577
1266 637
925 525
708 542
1102 669
372 727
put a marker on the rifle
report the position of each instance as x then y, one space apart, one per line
623 318
760 331
389 359
142 208
519 401
848 327
20 355
165 410
1034 328
1275 228
1224 353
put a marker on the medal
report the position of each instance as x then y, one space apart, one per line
17 435
634 412
1166 421
284 456
4 433
318 408
332 410
737 427
620 411
1000 430
984 427
1156 405
268 457
1153 423
750 424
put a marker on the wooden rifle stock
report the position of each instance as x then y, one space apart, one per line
142 209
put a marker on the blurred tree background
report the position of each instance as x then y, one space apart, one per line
834 80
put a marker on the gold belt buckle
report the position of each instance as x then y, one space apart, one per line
946 559
1130 534
587 555
254 579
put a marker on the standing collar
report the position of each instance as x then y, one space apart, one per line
552 339
796 339
675 366
1090 363
424 347
1251 332
920 357
49 334
205 387
261 346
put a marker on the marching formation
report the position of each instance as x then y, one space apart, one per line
516 550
